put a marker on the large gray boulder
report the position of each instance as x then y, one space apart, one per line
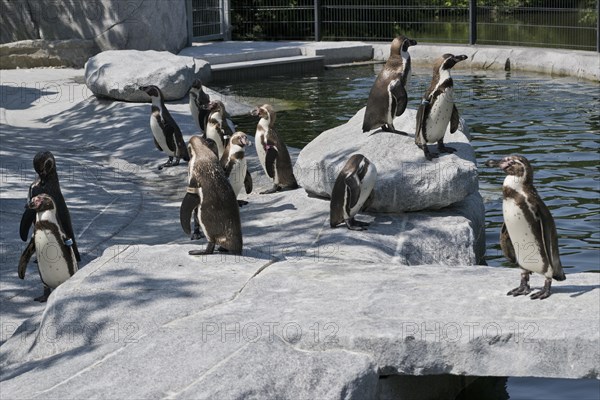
111 24
118 74
406 180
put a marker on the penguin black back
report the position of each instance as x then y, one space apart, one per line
47 182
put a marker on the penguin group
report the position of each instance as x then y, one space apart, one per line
217 171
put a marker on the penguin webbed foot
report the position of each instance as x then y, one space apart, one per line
445 149
44 297
242 203
355 225
521 290
274 189
429 155
210 248
544 293
168 164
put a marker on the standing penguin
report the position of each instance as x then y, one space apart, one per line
528 236
47 182
217 126
272 152
210 192
198 102
166 132
235 166
388 97
437 108
54 251
352 192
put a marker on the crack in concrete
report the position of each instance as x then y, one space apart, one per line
121 21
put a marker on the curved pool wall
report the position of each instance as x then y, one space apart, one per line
555 62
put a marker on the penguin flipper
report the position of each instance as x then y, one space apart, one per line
181 151
507 245
270 158
550 241
420 138
352 192
399 93
188 205
25 257
169 132
248 182
454 119
27 220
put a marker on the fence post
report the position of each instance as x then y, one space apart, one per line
598 26
473 21
318 20
226 19
190 22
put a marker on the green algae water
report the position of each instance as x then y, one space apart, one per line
554 122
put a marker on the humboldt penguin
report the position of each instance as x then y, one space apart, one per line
166 132
352 192
272 152
235 166
437 108
198 102
528 236
54 249
388 98
217 126
210 192
47 182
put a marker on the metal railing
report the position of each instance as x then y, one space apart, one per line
569 24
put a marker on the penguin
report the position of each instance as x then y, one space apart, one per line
47 182
272 152
198 102
166 132
234 163
437 108
388 98
54 250
210 192
352 192
528 235
217 126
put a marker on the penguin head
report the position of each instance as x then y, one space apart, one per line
44 164
266 112
240 139
447 61
201 148
216 106
152 91
514 165
401 44
197 84
41 202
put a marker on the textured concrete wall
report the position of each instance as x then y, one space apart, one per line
111 24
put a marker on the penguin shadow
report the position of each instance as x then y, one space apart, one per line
258 210
574 290
20 97
399 133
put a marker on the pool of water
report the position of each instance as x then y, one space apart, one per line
554 122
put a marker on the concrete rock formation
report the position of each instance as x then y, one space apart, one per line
406 180
46 53
118 74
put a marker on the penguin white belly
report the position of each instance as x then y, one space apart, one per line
366 187
237 176
439 116
527 250
260 150
52 265
159 136
213 133
202 226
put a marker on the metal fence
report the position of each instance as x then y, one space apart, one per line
569 24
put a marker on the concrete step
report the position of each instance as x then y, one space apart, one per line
257 69
239 53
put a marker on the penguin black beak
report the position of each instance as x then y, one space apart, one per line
254 112
143 88
492 163
460 58
412 42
